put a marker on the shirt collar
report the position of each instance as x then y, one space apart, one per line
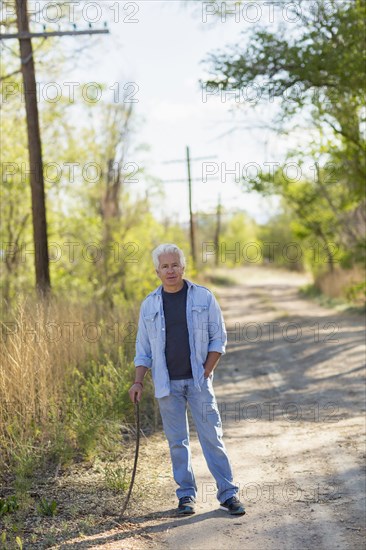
158 291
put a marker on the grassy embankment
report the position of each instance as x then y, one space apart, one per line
65 371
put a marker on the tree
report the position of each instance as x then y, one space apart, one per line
36 164
314 67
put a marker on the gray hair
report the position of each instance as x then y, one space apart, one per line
167 248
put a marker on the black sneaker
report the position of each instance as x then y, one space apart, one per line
233 506
186 505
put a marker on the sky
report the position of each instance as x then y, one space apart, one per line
156 50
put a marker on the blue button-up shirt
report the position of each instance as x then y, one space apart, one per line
206 331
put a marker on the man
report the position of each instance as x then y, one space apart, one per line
181 337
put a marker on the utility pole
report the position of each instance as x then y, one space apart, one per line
43 283
191 220
188 160
218 230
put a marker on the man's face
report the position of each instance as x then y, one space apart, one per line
170 272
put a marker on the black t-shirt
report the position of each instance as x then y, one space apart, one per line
177 350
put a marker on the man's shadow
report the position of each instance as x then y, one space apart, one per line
183 519
170 519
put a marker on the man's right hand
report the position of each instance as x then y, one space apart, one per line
135 392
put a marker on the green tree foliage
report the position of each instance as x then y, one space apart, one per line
101 232
238 244
280 243
15 197
16 234
315 67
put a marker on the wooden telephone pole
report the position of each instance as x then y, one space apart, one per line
43 283
191 220
218 230
192 232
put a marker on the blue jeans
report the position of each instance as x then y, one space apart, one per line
206 417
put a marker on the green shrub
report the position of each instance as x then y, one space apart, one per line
46 508
8 505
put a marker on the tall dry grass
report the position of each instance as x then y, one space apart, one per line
343 283
43 344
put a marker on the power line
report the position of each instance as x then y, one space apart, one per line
192 179
185 160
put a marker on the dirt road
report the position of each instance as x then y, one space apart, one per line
291 391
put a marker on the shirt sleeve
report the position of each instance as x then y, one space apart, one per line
216 328
143 357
